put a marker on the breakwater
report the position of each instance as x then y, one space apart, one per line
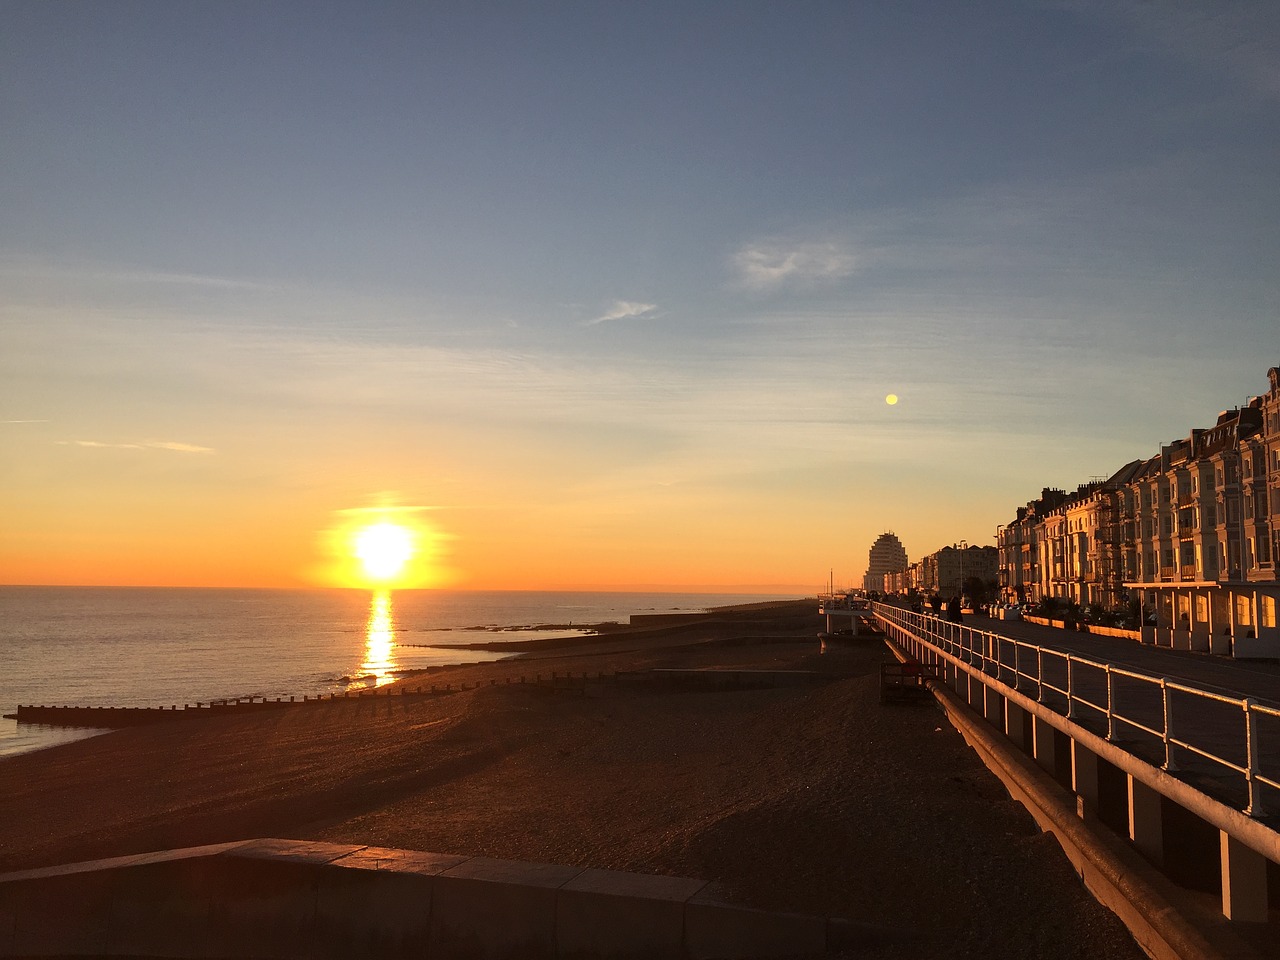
561 682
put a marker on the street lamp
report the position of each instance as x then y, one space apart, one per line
964 545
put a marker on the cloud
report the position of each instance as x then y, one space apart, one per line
119 274
625 310
772 264
173 279
175 446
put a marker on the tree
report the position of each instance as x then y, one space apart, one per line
976 589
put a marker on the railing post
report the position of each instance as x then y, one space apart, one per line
1111 712
1039 674
1071 689
1257 807
1167 699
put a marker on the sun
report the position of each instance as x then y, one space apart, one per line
383 550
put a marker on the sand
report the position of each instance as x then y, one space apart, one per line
816 799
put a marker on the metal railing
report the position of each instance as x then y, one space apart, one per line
1181 719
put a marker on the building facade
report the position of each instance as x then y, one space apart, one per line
887 556
945 571
1188 538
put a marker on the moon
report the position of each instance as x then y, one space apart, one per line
891 399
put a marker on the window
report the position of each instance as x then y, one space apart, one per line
1243 614
1266 611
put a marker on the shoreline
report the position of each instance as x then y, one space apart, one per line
716 620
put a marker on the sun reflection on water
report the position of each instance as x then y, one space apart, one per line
379 656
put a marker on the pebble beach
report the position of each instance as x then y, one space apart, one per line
813 798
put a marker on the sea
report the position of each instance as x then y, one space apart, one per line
147 647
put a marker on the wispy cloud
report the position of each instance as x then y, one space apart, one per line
772 264
175 279
172 445
177 447
73 271
24 421
624 310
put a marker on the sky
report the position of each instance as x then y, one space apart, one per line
610 295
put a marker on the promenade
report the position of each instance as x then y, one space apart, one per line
1141 700
1259 679
1178 754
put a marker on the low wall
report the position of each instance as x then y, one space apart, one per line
293 899
1135 635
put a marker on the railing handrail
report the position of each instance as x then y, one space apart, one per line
984 650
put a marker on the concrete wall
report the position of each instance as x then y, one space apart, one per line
295 899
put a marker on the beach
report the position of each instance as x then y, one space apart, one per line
812 797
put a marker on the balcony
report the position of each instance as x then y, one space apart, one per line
1168 573
1188 571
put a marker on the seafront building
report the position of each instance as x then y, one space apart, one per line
887 556
945 571
1186 540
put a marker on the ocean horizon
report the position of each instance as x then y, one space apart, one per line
165 646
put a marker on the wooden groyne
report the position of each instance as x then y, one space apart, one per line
581 684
